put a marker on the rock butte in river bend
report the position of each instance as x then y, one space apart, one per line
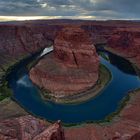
73 66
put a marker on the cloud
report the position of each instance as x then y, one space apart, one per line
101 9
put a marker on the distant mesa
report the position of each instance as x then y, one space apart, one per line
71 68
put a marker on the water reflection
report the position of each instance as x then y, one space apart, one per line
122 64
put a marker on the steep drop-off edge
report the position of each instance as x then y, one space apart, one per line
27 128
15 120
104 79
5 91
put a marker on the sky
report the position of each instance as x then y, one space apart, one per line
72 9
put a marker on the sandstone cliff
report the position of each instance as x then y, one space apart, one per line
30 128
17 42
73 66
126 42
74 48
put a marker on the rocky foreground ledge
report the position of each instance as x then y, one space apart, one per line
73 66
30 128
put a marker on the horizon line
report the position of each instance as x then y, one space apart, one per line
26 18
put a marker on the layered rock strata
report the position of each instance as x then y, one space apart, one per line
126 42
30 128
73 66
102 32
17 42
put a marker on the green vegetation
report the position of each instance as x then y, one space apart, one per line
5 91
6 68
31 64
137 69
46 94
122 104
104 75
104 55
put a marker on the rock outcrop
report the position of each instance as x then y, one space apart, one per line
17 42
135 137
74 48
30 128
126 42
73 66
20 40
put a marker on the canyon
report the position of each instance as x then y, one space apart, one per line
23 39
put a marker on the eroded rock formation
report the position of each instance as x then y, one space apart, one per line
29 128
73 66
17 42
136 136
74 48
20 40
126 42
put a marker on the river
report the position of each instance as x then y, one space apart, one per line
28 95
